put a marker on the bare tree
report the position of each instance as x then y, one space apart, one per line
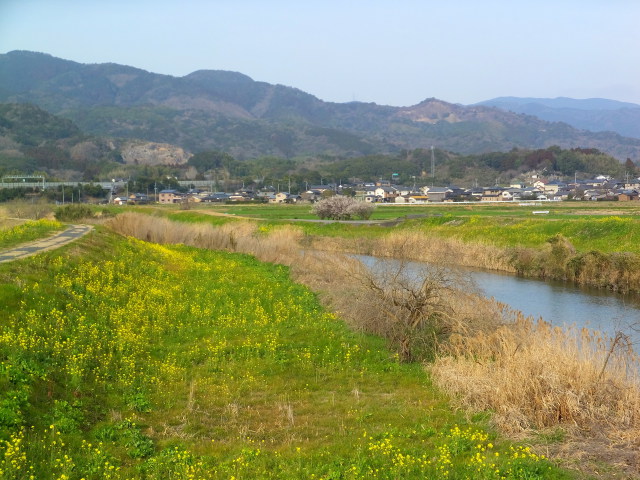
415 306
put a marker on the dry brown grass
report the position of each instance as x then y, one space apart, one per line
420 247
279 247
534 376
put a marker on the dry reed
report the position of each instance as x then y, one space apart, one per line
278 247
420 247
533 375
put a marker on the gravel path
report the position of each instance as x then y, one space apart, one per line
42 245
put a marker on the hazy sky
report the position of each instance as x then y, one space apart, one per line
389 52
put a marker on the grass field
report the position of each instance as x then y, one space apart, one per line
606 227
125 359
25 232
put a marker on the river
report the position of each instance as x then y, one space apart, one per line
559 303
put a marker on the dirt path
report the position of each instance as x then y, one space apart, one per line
42 245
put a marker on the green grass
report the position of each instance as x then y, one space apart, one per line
133 360
604 233
609 227
28 231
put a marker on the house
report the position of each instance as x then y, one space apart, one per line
240 197
437 194
137 199
215 197
540 185
628 196
370 190
492 194
506 196
284 197
475 193
404 191
322 188
561 195
311 196
458 194
417 198
170 196
553 186
386 194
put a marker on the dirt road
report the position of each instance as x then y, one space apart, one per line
42 245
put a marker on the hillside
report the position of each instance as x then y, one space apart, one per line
593 114
228 111
32 139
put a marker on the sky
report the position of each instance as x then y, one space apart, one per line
393 52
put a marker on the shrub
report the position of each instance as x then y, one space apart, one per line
34 210
73 212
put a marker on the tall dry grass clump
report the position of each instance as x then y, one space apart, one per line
280 246
420 247
533 375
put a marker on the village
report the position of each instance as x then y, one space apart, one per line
600 188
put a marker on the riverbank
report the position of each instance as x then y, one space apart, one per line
556 259
590 245
130 359
586 408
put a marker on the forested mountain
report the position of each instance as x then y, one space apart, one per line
230 112
594 114
33 140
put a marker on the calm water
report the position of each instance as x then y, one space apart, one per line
558 303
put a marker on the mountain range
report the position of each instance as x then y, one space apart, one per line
594 114
230 112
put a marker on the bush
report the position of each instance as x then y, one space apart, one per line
34 210
339 207
73 212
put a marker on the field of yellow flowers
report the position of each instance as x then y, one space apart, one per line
125 359
25 232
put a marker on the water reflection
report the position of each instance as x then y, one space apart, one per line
558 303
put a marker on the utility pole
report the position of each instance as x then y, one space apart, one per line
433 165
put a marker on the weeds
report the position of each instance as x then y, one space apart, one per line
28 231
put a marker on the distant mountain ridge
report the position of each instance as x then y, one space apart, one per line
228 111
593 114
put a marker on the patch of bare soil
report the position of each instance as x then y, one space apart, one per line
594 455
604 213
600 457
